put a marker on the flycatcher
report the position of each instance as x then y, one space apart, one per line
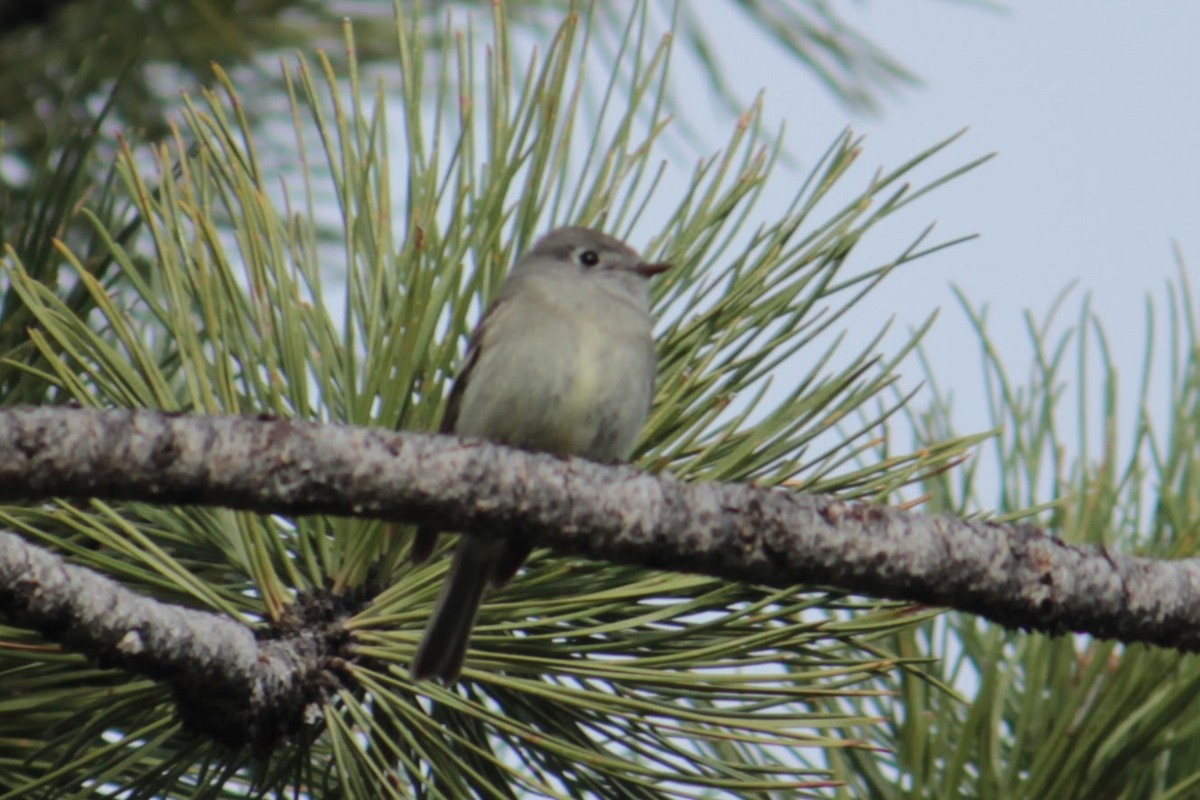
563 361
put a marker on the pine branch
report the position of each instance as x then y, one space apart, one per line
1014 574
226 684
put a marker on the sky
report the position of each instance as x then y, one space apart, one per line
1092 111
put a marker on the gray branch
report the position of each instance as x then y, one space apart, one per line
228 685
1017 575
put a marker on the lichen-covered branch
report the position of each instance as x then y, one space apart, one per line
227 684
1014 574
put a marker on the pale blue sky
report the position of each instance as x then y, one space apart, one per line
1092 109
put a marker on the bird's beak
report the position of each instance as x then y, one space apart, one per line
649 270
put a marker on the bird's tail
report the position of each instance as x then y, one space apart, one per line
443 648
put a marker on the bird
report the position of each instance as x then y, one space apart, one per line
563 361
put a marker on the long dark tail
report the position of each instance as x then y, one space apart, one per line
443 648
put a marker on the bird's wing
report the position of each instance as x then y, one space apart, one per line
425 540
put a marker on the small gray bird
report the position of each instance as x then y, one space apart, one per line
562 362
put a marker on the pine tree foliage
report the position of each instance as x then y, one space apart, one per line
207 278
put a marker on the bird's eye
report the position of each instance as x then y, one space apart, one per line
589 258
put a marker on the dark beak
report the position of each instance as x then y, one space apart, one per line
650 270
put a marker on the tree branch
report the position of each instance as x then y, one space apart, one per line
1016 575
227 684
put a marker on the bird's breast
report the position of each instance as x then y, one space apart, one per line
563 378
